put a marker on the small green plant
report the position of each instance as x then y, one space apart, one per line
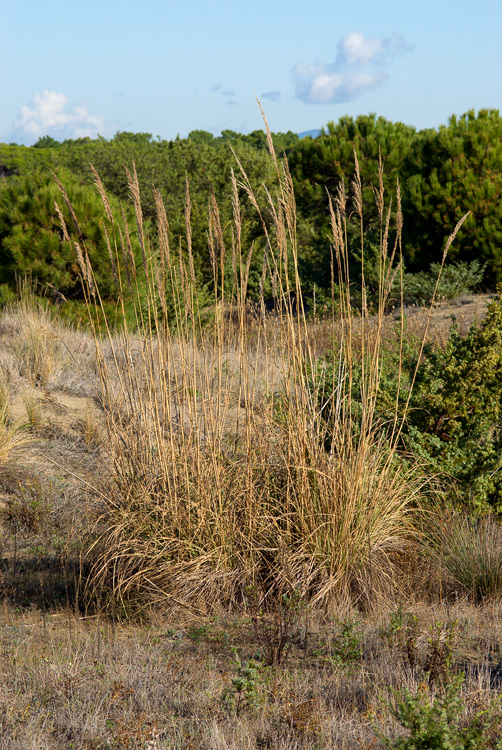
437 660
244 691
440 724
199 633
347 648
401 636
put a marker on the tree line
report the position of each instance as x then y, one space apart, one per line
442 173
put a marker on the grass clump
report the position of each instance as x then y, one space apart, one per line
221 480
467 551
13 433
227 472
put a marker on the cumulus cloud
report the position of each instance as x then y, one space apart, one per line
51 113
354 49
359 66
274 96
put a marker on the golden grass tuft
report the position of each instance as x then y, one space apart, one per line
221 477
13 433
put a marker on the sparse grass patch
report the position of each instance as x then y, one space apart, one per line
467 552
92 682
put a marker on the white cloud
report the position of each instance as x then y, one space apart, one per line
51 113
354 49
359 66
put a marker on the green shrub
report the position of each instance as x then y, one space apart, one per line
456 280
455 419
453 416
440 724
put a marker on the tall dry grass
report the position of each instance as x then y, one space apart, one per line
42 350
221 479
13 432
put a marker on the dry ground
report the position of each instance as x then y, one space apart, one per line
76 682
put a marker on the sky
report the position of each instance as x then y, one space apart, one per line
72 69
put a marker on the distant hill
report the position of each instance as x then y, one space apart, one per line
312 133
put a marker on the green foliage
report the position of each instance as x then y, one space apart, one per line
46 141
347 648
449 172
31 239
456 280
7 294
319 165
21 160
453 420
438 723
245 688
201 160
443 174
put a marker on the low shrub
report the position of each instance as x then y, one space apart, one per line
438 722
455 280
446 403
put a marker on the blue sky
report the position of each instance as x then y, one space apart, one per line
81 68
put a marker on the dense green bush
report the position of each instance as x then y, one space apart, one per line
31 238
446 173
453 419
455 280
